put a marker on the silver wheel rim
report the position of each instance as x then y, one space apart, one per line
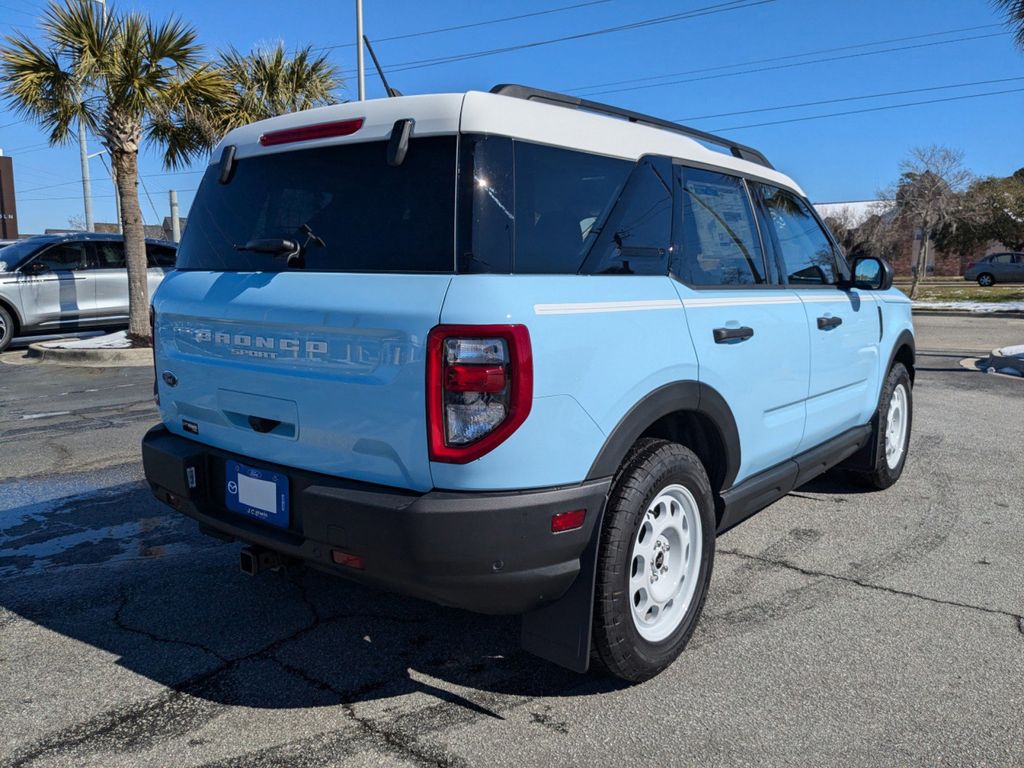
985 280
3 328
896 427
664 563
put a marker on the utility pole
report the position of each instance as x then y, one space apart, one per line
360 68
83 154
175 225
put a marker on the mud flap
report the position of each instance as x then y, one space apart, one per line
560 632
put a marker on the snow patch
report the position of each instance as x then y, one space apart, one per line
117 340
972 306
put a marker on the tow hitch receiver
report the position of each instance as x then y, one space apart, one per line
254 560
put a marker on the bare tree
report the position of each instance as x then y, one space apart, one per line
928 196
1014 10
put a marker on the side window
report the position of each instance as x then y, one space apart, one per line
64 257
637 236
161 256
559 195
720 244
1002 258
109 255
807 254
487 205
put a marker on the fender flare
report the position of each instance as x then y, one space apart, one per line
905 339
692 396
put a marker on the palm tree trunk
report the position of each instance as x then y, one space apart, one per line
126 169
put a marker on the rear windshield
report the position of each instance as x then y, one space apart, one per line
371 217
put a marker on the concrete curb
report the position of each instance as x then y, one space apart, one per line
97 358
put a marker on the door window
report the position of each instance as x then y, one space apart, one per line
807 253
1003 258
63 257
720 244
109 255
161 256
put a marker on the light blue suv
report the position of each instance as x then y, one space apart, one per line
518 353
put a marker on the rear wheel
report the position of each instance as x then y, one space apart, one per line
6 329
891 433
985 280
654 565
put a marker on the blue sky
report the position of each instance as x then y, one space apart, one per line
762 56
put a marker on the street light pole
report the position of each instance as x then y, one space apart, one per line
360 68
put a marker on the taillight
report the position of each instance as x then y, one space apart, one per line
310 132
970 265
152 337
479 388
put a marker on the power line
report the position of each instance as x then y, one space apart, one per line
78 181
468 26
732 5
798 64
871 109
780 58
850 98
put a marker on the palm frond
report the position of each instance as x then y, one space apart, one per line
1014 10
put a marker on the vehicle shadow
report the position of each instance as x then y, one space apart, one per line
120 572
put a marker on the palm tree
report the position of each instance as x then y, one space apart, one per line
267 82
1014 17
127 79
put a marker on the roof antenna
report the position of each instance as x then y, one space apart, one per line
387 88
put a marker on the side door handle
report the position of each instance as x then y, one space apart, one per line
828 323
730 335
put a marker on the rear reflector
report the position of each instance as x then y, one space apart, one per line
351 561
310 132
568 521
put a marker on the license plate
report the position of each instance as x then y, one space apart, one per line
257 493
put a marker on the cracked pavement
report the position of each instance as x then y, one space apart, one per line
842 626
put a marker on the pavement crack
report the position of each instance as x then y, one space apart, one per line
120 622
868 585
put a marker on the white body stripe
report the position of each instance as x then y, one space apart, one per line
591 307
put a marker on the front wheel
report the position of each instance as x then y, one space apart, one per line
891 431
654 564
6 329
986 280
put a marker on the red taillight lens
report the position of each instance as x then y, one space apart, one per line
310 132
971 265
479 388
568 521
475 378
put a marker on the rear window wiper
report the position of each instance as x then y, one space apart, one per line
275 246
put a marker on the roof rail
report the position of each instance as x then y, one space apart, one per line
574 102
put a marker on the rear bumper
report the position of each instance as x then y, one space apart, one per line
485 552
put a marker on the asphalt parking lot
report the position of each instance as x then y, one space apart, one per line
842 627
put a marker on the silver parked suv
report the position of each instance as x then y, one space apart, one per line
59 283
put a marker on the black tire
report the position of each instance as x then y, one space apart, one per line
882 476
651 466
986 280
6 328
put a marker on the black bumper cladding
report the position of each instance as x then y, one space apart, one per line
486 552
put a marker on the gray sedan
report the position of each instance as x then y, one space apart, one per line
997 268
61 283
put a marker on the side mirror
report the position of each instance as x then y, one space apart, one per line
872 274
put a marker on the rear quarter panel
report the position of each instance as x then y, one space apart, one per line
599 345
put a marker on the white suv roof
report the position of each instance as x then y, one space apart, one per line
502 115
